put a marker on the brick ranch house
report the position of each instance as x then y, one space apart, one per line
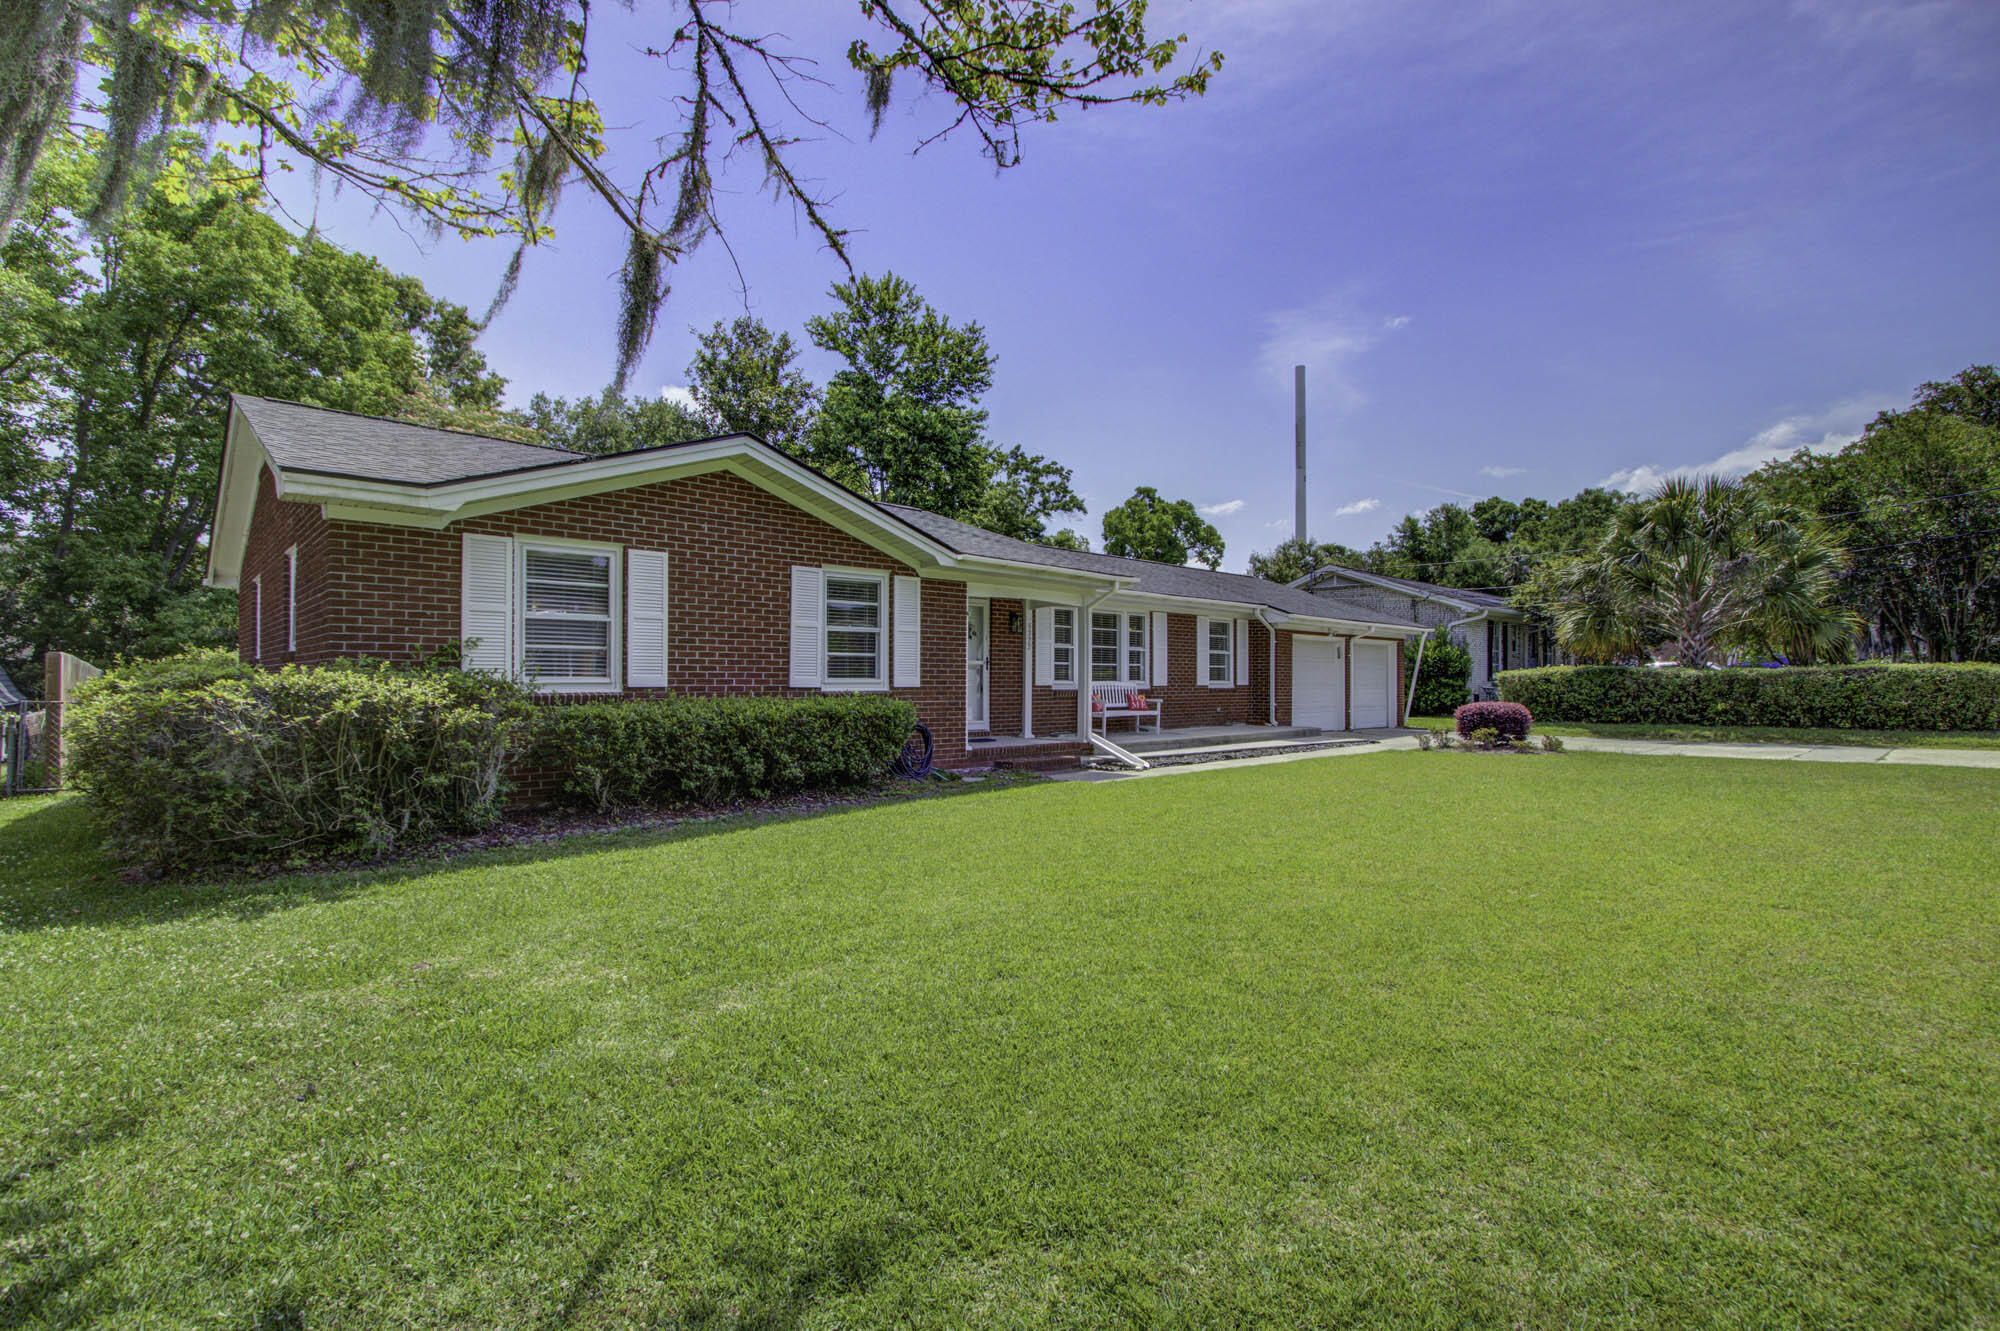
723 566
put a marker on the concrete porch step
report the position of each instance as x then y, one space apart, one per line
1213 737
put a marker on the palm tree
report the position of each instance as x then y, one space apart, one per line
1700 570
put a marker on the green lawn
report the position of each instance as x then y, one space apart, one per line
1893 739
1390 1040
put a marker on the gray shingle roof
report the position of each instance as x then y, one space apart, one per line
1157 579
8 693
340 443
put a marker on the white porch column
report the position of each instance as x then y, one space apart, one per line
1083 671
1027 668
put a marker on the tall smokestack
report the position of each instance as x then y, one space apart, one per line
1299 450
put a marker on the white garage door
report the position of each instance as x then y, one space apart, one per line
1319 684
1374 684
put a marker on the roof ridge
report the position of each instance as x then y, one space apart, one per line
415 425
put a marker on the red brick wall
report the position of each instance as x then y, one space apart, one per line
393 592
275 527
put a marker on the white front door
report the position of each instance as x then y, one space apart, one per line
1319 683
978 664
1374 684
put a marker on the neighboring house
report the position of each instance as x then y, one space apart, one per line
723 566
9 695
1497 635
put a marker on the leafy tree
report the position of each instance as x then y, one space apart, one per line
410 104
1070 539
1294 558
1169 531
744 378
1023 490
610 422
121 347
1918 497
902 423
1701 570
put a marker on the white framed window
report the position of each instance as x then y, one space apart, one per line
1117 648
257 618
1064 651
1220 658
568 614
856 604
292 599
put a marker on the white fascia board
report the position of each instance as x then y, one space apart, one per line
243 460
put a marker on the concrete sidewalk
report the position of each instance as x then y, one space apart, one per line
1797 753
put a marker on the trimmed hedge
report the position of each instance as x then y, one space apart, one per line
1861 697
693 751
1509 720
200 760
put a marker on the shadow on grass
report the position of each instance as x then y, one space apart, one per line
48 1257
62 878
780 1290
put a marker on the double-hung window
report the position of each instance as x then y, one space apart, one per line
855 621
1063 648
1118 648
1221 652
568 615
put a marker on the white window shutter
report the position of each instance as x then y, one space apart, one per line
1160 649
1045 645
909 633
486 603
646 619
1239 633
808 610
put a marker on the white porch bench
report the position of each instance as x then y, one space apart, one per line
1114 696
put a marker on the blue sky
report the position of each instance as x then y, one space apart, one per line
1522 247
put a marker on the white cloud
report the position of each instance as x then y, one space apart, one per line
1825 431
1501 473
1940 39
1326 340
680 396
1221 510
1358 506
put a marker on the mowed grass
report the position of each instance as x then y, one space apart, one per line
1885 739
1386 1040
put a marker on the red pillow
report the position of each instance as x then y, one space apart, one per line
1096 702
1137 702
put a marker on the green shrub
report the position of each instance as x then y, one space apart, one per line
1861 697
1446 680
197 760
693 751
